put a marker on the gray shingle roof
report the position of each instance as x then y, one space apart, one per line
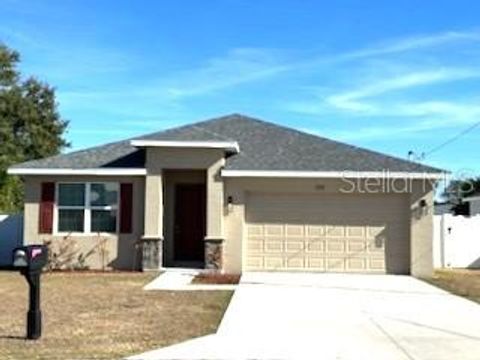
263 146
118 154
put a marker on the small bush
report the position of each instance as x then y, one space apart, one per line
64 254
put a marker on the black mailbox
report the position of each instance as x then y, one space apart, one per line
30 260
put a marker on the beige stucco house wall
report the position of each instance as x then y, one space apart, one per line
421 228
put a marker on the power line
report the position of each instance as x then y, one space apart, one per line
452 139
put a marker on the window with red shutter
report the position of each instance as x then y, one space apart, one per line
47 200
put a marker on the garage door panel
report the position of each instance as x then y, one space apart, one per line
294 230
337 231
255 246
315 246
315 263
294 246
273 262
336 246
335 264
357 264
356 246
273 230
376 263
254 230
273 246
315 230
327 232
355 231
295 263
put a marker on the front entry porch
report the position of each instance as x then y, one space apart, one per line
184 204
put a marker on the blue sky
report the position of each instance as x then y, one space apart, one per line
389 76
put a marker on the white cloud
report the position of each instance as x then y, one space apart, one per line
415 43
414 117
435 116
352 100
447 112
412 44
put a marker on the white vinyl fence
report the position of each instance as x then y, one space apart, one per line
456 241
11 236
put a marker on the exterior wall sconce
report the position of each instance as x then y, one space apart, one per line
422 208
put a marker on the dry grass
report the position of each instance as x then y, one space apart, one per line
102 316
461 282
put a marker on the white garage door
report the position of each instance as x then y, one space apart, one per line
337 232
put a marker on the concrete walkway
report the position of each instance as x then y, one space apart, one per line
179 279
338 316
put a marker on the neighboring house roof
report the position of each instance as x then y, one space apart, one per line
472 197
443 208
263 147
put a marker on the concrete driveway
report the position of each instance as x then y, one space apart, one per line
338 316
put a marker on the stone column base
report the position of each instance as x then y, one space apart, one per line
152 253
214 254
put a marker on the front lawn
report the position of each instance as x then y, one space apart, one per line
461 282
102 316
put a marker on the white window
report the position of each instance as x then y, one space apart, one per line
87 207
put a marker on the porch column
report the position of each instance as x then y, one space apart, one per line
153 228
215 233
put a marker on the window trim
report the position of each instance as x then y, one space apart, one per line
87 210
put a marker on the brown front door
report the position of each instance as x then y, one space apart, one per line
190 222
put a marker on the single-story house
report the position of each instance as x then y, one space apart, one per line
235 194
473 203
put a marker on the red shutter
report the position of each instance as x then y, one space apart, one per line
126 207
46 208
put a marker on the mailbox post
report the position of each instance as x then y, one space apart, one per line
30 260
